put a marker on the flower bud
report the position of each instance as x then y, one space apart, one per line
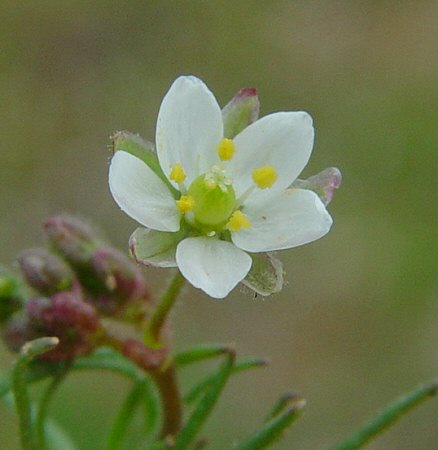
44 271
323 183
10 300
66 316
241 111
17 331
72 238
121 277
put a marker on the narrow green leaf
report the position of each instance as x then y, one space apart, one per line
41 417
28 352
109 360
283 402
151 405
205 405
124 416
240 366
57 438
272 430
104 358
201 353
388 416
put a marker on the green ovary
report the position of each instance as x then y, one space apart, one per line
213 203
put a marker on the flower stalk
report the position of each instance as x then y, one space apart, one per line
152 334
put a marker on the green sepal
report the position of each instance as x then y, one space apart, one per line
135 145
266 274
240 111
155 248
323 184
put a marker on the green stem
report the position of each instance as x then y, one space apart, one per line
153 329
40 422
388 416
28 352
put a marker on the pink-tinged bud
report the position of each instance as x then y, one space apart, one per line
122 279
10 299
242 110
323 183
66 316
146 358
72 238
44 271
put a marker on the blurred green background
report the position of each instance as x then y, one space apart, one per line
357 322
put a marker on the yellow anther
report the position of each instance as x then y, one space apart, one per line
185 204
177 173
226 149
264 177
237 221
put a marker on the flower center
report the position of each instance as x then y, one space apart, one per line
213 197
209 203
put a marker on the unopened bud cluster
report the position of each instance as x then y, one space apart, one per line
71 286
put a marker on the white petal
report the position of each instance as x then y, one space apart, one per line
155 248
212 265
284 220
283 140
141 193
189 128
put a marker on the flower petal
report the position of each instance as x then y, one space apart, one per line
283 220
141 194
283 140
155 248
212 265
189 128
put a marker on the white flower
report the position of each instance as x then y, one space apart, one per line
224 197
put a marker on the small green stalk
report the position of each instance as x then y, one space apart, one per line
152 334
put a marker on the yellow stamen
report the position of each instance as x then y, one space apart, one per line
185 204
177 173
237 221
226 149
264 177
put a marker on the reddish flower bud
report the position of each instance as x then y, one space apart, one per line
17 331
66 316
73 238
120 275
45 272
